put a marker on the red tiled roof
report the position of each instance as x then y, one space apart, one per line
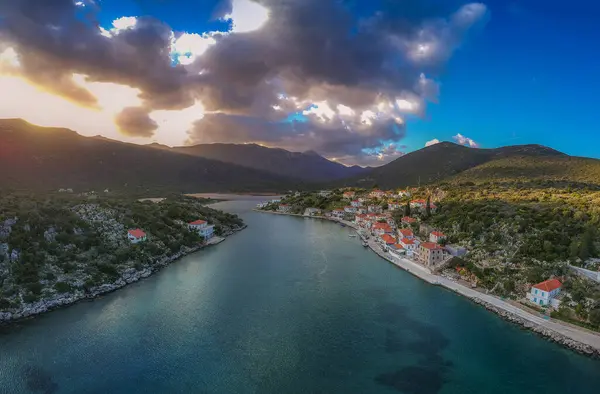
406 232
398 246
549 285
197 222
407 241
388 239
431 245
137 233
438 233
382 226
408 219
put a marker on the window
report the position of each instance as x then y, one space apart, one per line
535 291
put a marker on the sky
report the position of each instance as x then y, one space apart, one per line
358 81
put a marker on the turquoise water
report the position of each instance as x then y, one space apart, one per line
289 305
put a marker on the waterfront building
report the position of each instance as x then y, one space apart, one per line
545 293
350 209
409 245
405 233
284 208
202 228
430 254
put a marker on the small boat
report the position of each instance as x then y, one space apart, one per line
352 235
342 224
365 244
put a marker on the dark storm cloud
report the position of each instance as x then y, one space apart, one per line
309 51
135 122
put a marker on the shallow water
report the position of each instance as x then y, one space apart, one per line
289 305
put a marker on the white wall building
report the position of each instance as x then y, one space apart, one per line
545 293
202 228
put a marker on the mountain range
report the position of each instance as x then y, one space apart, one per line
39 158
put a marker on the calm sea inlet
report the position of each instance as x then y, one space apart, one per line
289 305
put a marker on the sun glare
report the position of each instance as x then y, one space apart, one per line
247 16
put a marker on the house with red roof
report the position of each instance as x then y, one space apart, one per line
396 250
387 240
405 233
436 236
356 203
349 195
377 194
408 220
409 245
381 228
545 293
136 236
430 254
202 228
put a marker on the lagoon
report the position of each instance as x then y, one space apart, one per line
289 305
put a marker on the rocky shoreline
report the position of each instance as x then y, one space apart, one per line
129 276
548 334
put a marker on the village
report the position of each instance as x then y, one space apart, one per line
394 225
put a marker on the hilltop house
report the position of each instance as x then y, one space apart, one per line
408 220
436 236
545 293
377 194
202 228
421 204
324 193
348 195
430 254
136 236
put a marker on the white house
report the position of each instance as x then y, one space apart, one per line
136 235
436 236
409 245
324 193
362 199
392 206
377 193
406 233
338 212
202 228
356 203
545 293
350 209
396 250
276 201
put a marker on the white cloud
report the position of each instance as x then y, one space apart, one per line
461 139
119 24
188 46
246 16
432 142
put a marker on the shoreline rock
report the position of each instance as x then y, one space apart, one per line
547 334
29 311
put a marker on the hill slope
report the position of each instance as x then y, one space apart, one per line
441 161
308 166
33 157
526 169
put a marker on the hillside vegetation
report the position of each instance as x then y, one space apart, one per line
441 161
558 169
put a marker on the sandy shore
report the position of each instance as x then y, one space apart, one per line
578 339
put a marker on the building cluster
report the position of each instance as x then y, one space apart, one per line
201 227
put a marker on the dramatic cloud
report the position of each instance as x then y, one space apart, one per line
299 74
135 121
432 142
461 139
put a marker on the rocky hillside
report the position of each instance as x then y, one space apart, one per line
57 249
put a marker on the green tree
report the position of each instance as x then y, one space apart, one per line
595 317
428 207
407 209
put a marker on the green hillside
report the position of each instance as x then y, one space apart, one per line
563 169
